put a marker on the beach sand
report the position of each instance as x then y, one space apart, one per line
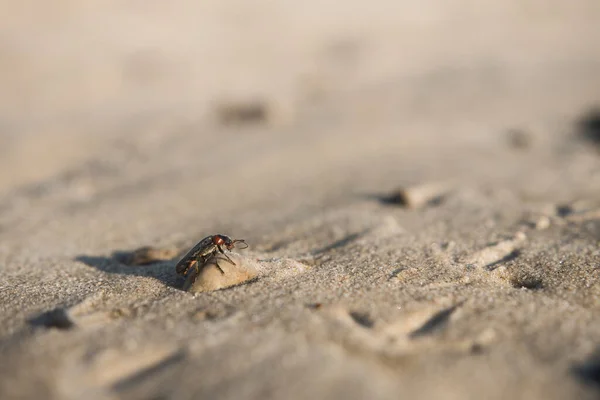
419 186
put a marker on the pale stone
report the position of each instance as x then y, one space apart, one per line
211 278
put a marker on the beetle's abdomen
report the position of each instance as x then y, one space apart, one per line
183 266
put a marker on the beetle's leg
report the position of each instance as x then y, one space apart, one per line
218 266
226 256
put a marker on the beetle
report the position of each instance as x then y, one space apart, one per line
205 249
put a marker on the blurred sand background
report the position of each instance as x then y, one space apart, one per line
290 124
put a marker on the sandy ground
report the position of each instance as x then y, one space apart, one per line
291 125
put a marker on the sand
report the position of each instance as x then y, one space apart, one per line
419 186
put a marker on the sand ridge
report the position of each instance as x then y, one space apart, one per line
419 187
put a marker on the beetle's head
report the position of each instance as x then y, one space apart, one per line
223 240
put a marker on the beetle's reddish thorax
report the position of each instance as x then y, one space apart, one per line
218 240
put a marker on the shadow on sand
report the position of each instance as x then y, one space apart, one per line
162 270
589 370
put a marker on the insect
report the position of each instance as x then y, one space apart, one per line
205 249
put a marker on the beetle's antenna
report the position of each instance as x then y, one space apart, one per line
241 241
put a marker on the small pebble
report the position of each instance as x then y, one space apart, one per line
542 223
519 139
419 195
238 113
149 255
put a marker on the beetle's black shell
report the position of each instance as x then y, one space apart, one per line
201 249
